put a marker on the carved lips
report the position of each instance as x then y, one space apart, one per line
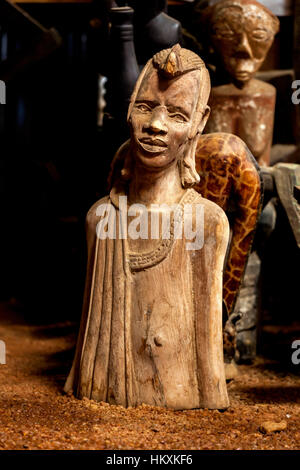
244 68
242 75
153 146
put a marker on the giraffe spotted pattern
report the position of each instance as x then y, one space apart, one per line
229 176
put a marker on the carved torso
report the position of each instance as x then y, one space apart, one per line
229 176
151 329
247 113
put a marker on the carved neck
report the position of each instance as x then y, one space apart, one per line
242 85
156 187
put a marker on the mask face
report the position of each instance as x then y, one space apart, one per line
242 36
162 117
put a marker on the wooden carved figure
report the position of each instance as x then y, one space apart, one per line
151 328
241 33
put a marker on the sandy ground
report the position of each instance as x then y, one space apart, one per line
35 414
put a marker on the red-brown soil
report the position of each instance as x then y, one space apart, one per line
35 414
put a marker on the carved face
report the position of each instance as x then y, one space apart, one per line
242 35
162 117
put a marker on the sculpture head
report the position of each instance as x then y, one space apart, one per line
168 111
242 32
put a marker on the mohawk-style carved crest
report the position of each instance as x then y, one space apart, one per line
177 61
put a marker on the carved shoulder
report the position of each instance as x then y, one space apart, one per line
254 88
260 86
92 218
214 217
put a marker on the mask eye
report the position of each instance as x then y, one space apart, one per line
260 34
224 33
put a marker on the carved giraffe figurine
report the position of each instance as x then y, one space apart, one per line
229 176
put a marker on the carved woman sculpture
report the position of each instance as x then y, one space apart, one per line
241 33
151 328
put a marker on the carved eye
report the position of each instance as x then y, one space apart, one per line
178 117
259 34
143 107
224 33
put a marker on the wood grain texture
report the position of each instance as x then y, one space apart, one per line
151 329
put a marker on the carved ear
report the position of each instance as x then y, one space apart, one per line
188 172
204 119
200 118
120 167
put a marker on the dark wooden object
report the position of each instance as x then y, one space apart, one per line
154 29
283 182
123 67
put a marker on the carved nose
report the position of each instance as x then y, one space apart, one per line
243 48
157 124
